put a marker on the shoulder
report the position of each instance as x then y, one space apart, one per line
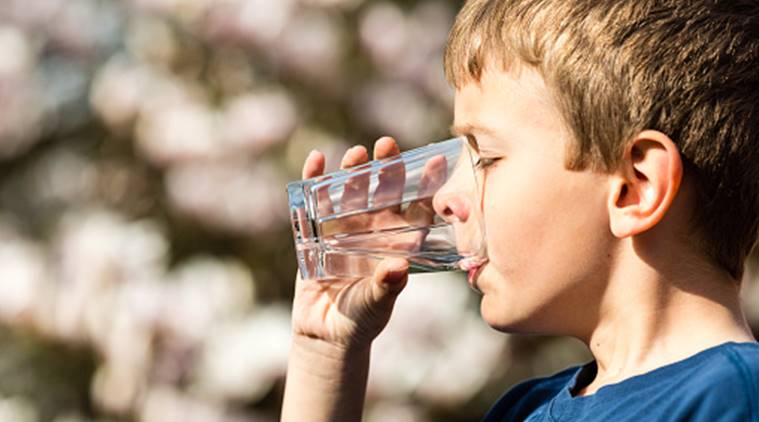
744 357
524 398
731 363
726 385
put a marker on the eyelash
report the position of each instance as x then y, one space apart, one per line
485 162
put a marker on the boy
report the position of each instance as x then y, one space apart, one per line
619 144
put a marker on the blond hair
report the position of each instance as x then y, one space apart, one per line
615 68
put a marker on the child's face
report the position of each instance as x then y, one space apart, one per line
547 227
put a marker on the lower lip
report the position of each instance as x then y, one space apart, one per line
472 277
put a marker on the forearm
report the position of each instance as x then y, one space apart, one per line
324 382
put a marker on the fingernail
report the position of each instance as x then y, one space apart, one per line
311 154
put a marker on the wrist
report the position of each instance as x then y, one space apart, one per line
325 381
326 359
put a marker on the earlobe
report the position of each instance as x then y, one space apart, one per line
645 184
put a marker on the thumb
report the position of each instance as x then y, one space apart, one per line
389 279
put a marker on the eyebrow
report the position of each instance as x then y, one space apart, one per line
468 129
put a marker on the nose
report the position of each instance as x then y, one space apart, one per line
451 205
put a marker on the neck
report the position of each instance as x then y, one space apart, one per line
650 317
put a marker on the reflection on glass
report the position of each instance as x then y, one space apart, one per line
346 222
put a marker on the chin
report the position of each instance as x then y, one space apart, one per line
505 317
498 315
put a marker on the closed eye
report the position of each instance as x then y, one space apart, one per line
484 162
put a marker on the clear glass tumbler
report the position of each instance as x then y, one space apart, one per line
422 205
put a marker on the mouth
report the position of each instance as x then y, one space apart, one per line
473 270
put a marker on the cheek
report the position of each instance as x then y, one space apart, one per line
515 214
545 233
539 222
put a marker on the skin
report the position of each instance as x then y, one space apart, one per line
334 324
607 258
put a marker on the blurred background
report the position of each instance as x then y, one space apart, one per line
146 261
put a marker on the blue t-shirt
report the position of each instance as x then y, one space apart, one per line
718 384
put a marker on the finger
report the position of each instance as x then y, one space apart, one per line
354 156
314 166
433 176
392 178
421 212
385 147
355 195
389 279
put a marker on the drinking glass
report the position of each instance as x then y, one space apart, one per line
346 222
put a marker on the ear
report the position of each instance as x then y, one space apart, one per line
645 184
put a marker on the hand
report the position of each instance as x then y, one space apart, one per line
335 321
350 313
391 226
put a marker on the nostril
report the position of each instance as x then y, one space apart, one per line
440 205
451 207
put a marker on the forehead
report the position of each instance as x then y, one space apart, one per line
504 100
